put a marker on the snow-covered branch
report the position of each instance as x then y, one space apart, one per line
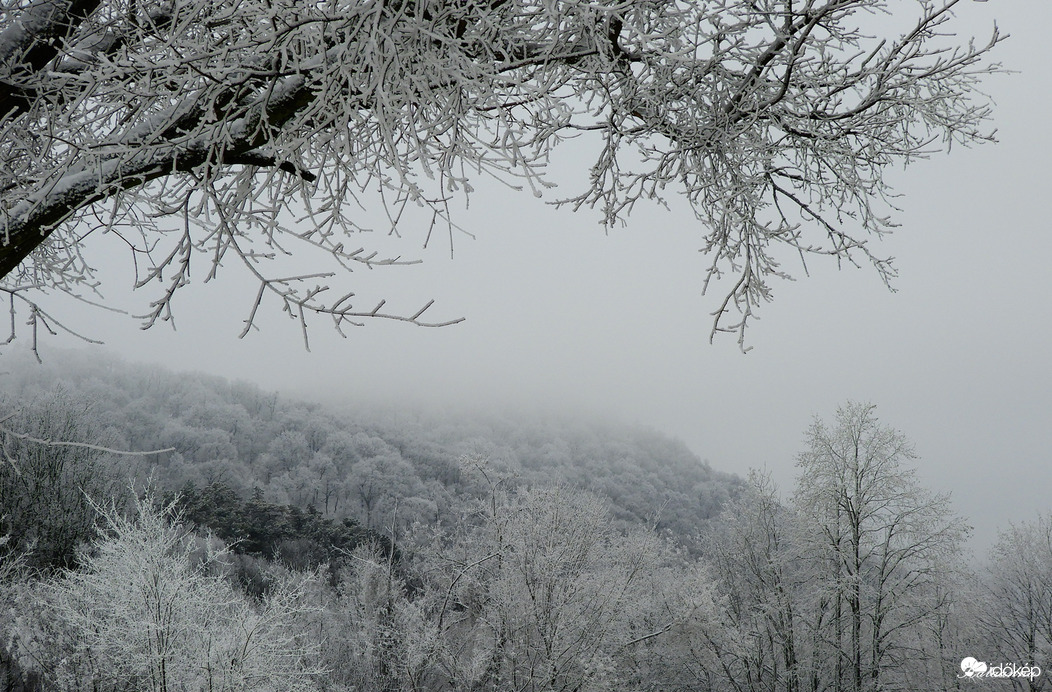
775 121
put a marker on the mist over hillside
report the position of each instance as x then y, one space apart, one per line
383 466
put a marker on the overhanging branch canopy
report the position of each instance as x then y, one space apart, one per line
199 125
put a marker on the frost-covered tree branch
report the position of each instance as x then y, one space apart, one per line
252 131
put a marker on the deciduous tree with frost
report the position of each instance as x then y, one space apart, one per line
1016 614
145 613
245 133
880 545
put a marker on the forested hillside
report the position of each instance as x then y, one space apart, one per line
280 545
382 467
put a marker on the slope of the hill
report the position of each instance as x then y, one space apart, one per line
382 467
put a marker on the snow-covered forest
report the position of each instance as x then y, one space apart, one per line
168 531
172 532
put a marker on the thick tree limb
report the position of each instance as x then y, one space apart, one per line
30 222
30 42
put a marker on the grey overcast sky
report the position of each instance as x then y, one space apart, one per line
561 315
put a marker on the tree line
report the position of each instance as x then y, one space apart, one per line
379 467
858 579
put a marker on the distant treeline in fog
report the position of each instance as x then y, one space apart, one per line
385 468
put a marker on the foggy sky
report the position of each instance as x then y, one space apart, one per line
561 315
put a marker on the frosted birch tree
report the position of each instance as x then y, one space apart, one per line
247 133
878 542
